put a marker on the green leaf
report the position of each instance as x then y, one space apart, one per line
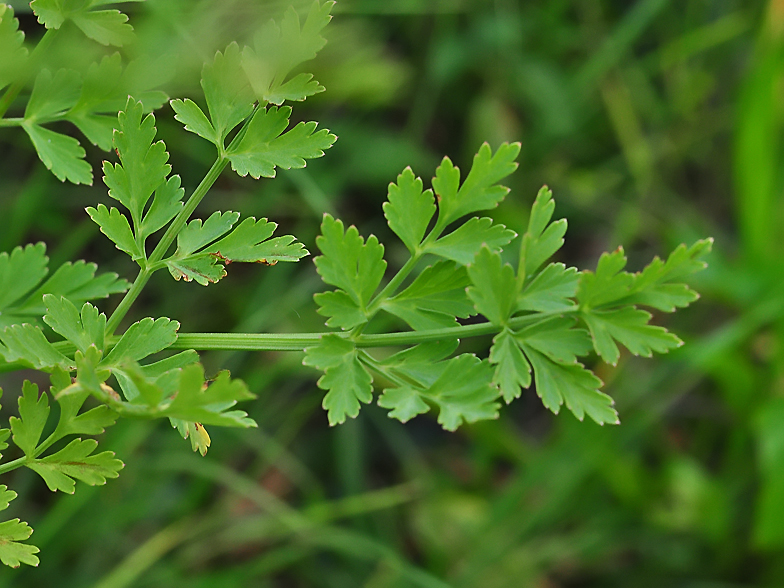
12 552
28 344
11 47
557 339
83 328
462 244
101 89
194 119
298 89
197 402
250 242
470 397
76 281
551 290
494 289
52 95
423 354
200 440
20 272
280 48
166 204
572 384
609 284
228 93
75 462
108 27
479 191
143 338
33 413
116 227
348 262
346 379
512 371
405 403
265 145
434 298
196 235
630 327
341 309
205 269
409 209
143 164
652 286
62 155
543 238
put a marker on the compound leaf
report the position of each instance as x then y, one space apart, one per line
462 244
143 164
12 552
116 227
348 262
629 326
265 145
409 209
494 289
33 414
75 462
346 379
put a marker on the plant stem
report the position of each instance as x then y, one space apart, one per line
13 90
300 341
12 465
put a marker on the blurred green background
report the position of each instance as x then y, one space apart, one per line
654 122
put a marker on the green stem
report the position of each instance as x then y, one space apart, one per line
125 304
13 90
12 465
393 285
300 341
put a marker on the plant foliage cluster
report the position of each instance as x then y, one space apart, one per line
545 318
